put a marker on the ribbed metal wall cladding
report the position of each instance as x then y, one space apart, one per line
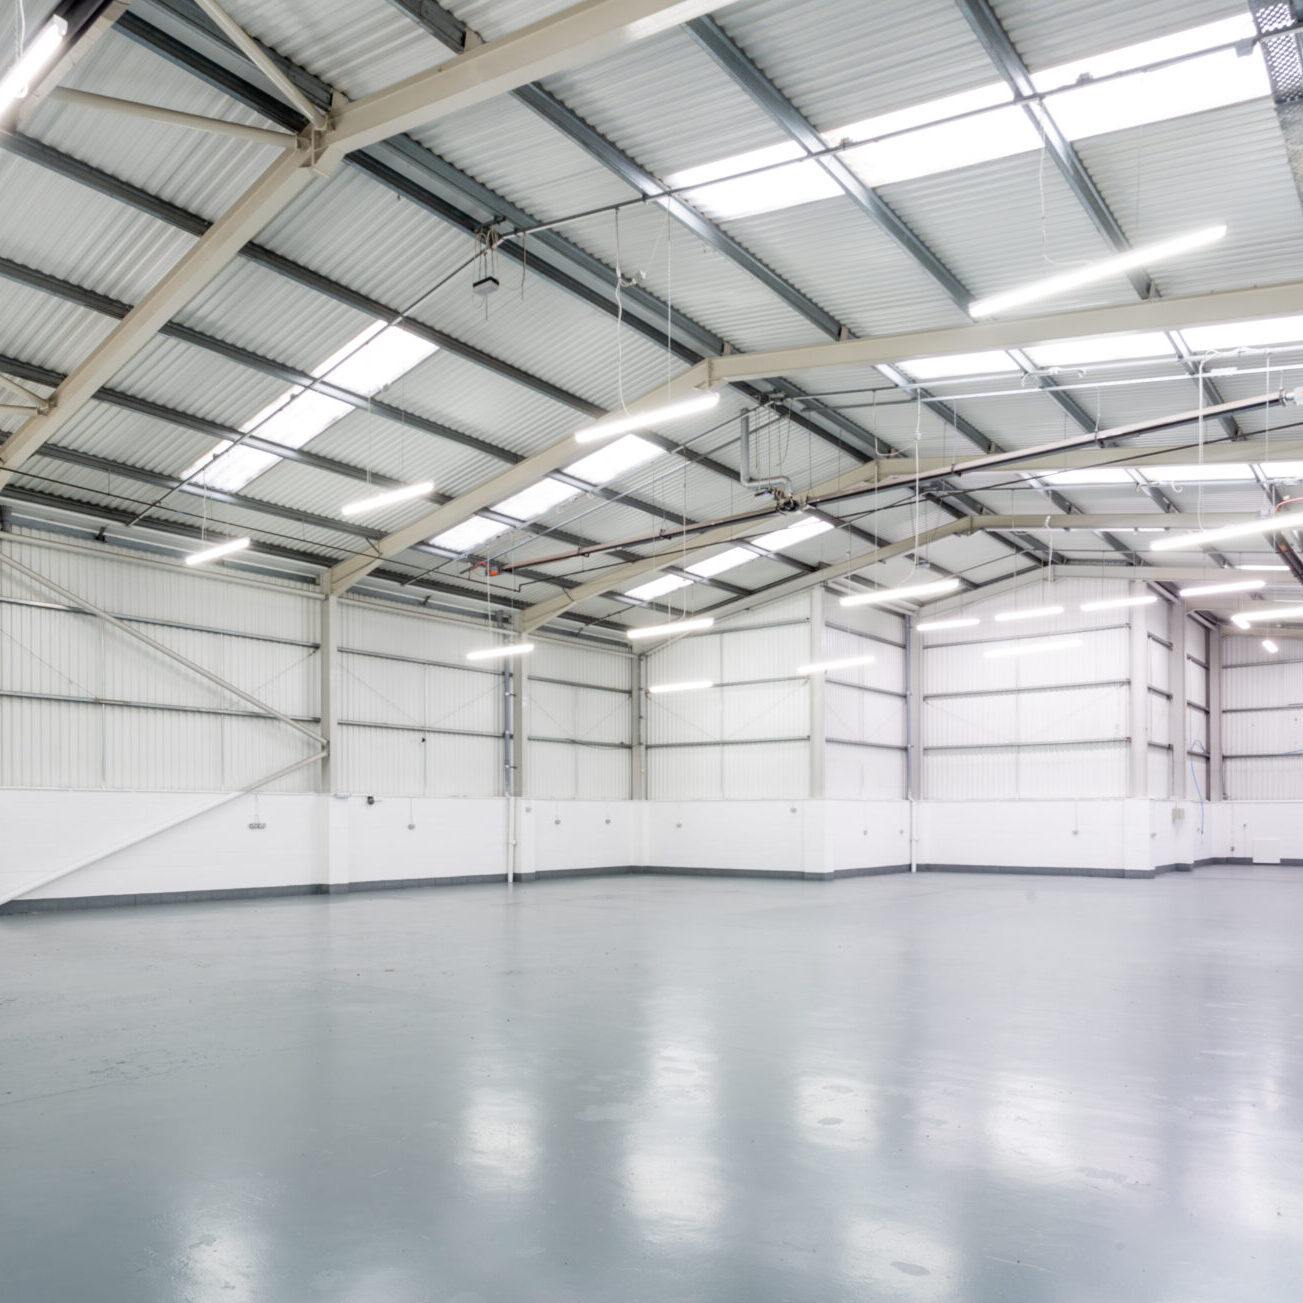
846 60
1050 32
1099 770
385 762
769 771
358 46
1276 778
863 773
149 723
569 773
1016 717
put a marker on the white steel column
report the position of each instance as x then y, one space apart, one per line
335 811
1139 698
818 720
1216 767
638 750
1179 727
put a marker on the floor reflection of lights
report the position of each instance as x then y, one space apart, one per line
500 1138
892 1260
835 1111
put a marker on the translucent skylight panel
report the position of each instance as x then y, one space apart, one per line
614 460
374 359
780 539
658 587
960 364
1244 334
942 147
783 187
1101 348
1207 82
233 470
1089 475
463 537
1282 470
369 361
536 499
721 561
1210 473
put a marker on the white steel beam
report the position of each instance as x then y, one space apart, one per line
1024 332
578 35
173 117
583 32
260 60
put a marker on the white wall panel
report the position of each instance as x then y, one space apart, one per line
1031 773
1279 778
1008 718
558 711
561 772
1272 683
579 664
854 773
1160 719
854 715
51 744
392 762
1263 732
1103 656
1160 774
1160 664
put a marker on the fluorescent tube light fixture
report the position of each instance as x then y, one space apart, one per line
669 630
688 685
1269 646
1262 567
1033 649
959 622
1246 618
1237 586
1117 603
497 653
390 498
910 592
217 552
1066 281
1202 538
624 422
846 663
779 540
1031 613
33 61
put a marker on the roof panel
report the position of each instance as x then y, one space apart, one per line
653 99
1050 32
38 328
200 171
358 46
1002 224
838 255
840 61
1228 165
70 231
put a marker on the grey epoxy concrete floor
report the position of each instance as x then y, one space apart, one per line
946 1087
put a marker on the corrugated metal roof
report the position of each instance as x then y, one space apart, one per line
69 231
494 18
506 146
257 309
132 439
1228 165
654 99
358 46
1050 32
1001 224
839 256
200 171
698 280
840 61
46 331
196 381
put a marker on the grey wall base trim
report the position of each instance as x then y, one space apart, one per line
51 904
1038 870
48 904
